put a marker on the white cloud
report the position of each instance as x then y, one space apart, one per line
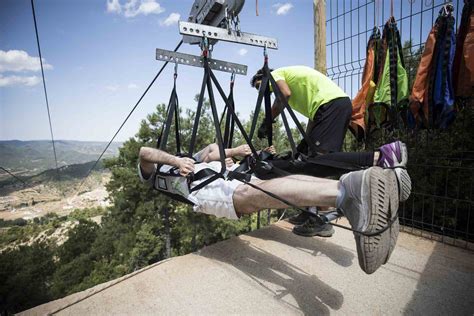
132 8
19 81
243 52
112 87
132 86
173 18
283 9
19 60
113 6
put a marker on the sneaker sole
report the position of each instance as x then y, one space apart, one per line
373 251
403 183
394 205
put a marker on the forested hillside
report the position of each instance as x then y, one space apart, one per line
134 232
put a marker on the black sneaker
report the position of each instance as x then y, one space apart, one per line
299 219
312 228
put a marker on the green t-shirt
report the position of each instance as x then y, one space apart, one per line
309 88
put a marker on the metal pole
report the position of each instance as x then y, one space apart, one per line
319 17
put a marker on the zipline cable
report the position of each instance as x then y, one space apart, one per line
11 174
128 116
44 87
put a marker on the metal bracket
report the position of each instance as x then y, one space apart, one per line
222 34
197 61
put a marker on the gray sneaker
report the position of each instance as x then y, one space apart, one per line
368 199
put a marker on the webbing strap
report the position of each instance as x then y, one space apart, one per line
215 118
208 79
216 176
172 112
177 124
229 125
230 107
268 116
261 93
197 117
393 64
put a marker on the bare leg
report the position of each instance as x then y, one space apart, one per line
300 190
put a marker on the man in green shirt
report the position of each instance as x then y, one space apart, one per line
328 110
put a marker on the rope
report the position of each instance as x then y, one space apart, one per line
128 116
44 87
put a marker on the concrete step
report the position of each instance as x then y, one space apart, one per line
273 271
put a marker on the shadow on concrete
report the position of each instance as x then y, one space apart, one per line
312 295
317 246
446 284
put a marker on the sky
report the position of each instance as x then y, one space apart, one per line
99 56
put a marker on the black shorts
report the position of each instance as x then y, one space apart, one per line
331 122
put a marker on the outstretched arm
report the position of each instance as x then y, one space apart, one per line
151 156
278 106
211 152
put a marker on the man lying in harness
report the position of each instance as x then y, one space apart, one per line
368 198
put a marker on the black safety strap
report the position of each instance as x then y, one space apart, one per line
268 116
393 63
197 116
231 108
172 111
261 92
229 125
212 175
208 80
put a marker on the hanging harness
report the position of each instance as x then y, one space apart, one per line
432 99
170 182
365 96
177 187
463 71
391 93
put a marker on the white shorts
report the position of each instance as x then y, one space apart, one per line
216 198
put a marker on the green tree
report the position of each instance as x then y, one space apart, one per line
26 274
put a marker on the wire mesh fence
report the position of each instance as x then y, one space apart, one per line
441 162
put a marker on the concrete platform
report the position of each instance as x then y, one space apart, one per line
272 271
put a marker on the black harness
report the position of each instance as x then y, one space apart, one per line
258 163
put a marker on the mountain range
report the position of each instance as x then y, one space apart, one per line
33 157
